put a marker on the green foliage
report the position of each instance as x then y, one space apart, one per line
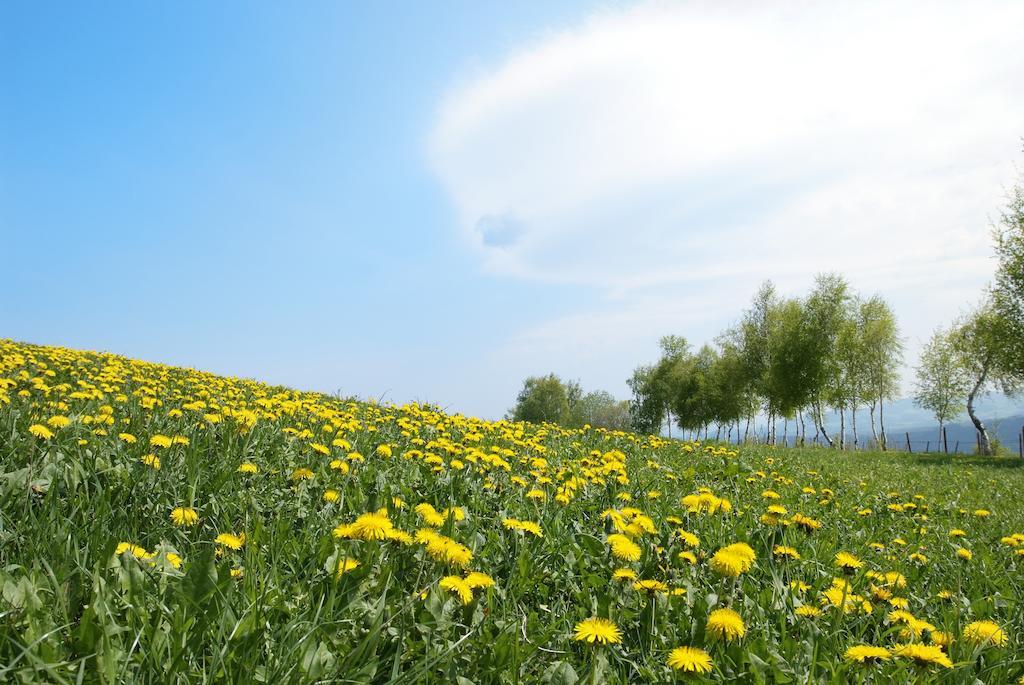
542 399
784 357
548 399
942 381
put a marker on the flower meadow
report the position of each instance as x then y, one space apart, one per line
161 524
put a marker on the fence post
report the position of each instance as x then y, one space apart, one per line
1021 436
928 446
956 447
945 441
909 448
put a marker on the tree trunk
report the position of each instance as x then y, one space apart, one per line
785 432
842 428
746 431
803 427
853 417
984 445
874 433
881 419
821 425
668 412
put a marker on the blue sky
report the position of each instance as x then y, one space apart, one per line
309 196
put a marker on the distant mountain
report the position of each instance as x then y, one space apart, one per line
1002 415
961 436
903 415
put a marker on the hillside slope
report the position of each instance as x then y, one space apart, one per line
163 524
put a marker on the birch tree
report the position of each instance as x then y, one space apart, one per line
979 344
941 381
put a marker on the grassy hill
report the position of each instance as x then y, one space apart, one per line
167 525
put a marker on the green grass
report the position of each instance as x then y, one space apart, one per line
72 610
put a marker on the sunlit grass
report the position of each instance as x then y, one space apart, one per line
162 524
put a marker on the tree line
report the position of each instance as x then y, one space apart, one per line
552 400
790 359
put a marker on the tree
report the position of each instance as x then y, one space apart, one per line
941 380
754 336
653 386
542 399
826 310
573 397
1008 290
647 410
792 343
979 345
601 410
735 399
881 355
693 395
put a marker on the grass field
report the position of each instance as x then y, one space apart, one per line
167 525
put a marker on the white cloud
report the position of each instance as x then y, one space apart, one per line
657 147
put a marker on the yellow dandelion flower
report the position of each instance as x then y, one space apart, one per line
457 586
732 560
650 586
726 624
374 525
985 632
690 660
184 516
785 552
346 565
161 441
597 631
847 561
230 540
301 474
134 550
923 655
864 654
40 431
624 574
689 539
623 548
478 580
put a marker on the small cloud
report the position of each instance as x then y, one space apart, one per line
499 230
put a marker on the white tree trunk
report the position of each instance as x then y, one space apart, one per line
853 418
874 433
984 444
